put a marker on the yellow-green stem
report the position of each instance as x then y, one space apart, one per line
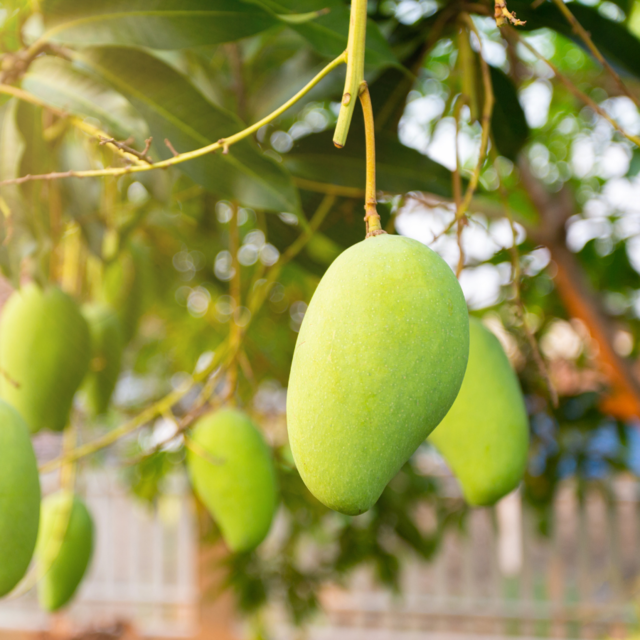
223 144
355 70
371 216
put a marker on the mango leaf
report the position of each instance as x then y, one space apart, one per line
508 122
328 33
614 40
59 84
159 24
11 203
175 110
399 168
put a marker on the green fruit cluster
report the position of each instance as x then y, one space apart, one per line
379 361
44 355
232 472
19 498
64 548
485 436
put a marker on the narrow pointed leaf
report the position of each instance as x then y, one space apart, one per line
59 84
175 110
159 24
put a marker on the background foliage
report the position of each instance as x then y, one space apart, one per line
156 245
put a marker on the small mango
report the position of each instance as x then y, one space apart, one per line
232 472
485 436
126 286
64 549
106 348
19 498
379 360
44 355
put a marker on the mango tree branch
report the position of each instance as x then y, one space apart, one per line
586 38
355 69
223 144
579 299
574 90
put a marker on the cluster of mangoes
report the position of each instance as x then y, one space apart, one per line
386 353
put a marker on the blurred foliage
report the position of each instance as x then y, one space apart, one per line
156 245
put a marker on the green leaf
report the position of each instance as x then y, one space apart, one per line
613 39
508 122
59 84
399 168
175 110
159 24
328 33
12 147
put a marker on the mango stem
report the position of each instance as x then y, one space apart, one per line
371 218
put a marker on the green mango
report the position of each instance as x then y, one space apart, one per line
378 363
107 345
126 285
485 436
232 472
19 498
44 355
64 549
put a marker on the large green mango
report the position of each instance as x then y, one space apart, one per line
379 361
64 549
44 354
106 348
232 473
485 436
19 498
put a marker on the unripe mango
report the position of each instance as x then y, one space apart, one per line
106 350
485 436
19 498
232 472
64 549
378 363
44 355
126 287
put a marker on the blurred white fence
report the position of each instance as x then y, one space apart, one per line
499 578
143 569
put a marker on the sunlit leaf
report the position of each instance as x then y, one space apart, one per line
175 110
58 83
328 33
160 24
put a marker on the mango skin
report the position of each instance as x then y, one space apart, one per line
44 355
378 363
485 436
107 344
66 528
238 484
19 498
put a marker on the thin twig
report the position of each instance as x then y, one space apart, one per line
575 91
517 293
487 110
124 146
171 147
223 143
586 38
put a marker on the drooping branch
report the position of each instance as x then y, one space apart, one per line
224 143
